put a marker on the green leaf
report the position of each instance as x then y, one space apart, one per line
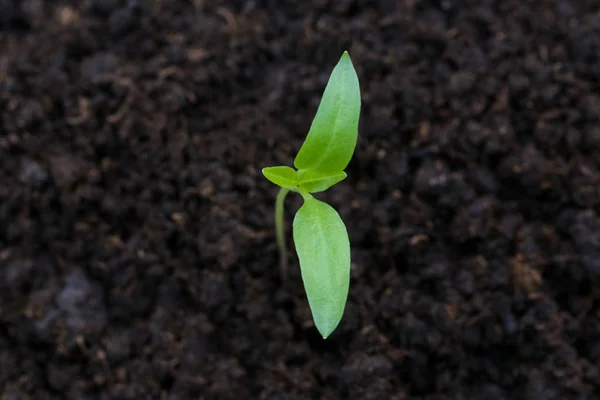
316 181
323 248
281 176
332 137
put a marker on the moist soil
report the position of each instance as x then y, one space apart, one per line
137 254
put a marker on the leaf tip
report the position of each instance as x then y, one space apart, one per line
325 328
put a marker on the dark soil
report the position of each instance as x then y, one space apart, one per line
137 256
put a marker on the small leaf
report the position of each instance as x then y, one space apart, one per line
316 181
323 248
281 176
332 137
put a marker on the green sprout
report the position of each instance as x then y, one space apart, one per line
320 235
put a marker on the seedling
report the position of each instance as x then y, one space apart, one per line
319 233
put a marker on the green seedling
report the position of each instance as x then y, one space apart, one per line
319 233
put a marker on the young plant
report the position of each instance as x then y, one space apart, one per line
319 233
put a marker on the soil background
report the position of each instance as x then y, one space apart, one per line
137 255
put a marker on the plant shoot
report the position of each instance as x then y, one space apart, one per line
320 236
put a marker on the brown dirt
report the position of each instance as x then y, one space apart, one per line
137 257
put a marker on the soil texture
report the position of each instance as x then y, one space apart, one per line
137 251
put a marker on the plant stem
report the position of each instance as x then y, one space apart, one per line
280 232
305 195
